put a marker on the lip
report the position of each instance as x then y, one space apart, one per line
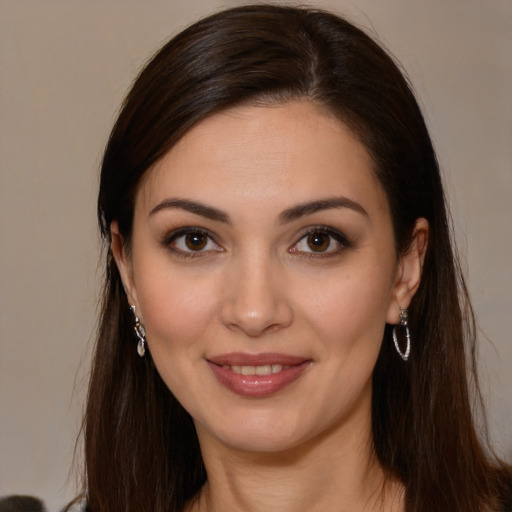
257 386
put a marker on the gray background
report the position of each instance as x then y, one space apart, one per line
64 68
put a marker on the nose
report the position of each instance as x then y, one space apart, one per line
254 298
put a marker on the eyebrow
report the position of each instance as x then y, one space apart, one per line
194 207
288 215
295 212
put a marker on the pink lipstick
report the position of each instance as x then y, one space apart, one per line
257 375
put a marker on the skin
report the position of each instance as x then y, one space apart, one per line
257 284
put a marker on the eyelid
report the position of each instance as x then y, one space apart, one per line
170 237
337 235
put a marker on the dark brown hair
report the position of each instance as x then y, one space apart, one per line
141 448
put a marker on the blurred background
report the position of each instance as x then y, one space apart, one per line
64 69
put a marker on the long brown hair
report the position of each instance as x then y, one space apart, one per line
141 448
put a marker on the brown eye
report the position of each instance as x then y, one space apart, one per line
321 242
318 242
196 241
191 242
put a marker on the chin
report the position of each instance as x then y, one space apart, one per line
261 442
260 433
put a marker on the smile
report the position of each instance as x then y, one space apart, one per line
256 370
257 376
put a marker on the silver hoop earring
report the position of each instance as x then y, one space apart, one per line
404 322
140 332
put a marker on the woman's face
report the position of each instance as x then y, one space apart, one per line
262 264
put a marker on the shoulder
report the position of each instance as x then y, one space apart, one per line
18 503
24 503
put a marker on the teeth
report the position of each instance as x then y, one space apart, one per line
256 370
264 370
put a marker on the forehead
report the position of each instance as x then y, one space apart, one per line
272 155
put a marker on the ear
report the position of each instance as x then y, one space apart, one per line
409 270
124 263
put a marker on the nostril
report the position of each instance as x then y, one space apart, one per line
270 329
273 328
256 323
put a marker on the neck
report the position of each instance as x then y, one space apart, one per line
335 472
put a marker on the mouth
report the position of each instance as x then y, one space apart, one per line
257 375
267 369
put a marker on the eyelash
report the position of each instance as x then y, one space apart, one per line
333 234
169 241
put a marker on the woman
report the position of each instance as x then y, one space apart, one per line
278 242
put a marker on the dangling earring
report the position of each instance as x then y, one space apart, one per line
140 332
404 322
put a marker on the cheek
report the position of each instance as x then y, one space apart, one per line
177 314
176 308
348 310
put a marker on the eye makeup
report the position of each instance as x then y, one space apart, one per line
314 242
190 242
320 242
